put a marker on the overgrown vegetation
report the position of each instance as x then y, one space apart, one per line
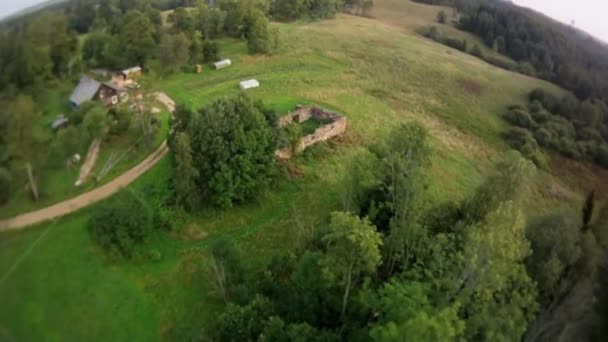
224 152
565 125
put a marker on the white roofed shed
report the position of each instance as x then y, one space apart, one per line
222 64
244 85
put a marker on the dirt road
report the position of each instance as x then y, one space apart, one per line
86 199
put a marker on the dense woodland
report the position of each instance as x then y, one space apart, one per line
387 265
551 51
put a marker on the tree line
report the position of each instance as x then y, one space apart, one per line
564 124
543 48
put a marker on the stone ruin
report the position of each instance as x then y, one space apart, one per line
335 127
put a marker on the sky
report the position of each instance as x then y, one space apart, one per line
588 15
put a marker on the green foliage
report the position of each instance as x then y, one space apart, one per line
211 51
121 224
556 245
587 212
185 173
5 185
507 183
96 49
260 39
404 159
96 122
174 51
69 141
520 118
406 313
243 323
498 297
233 150
353 250
136 38
226 270
120 120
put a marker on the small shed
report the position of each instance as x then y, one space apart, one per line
59 122
244 85
222 64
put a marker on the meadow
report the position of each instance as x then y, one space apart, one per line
56 285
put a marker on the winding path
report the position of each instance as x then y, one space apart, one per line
86 199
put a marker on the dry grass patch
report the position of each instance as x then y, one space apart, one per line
470 86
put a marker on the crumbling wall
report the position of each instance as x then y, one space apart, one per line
336 127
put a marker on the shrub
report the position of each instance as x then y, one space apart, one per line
520 118
602 155
535 106
544 137
5 185
211 51
441 17
476 51
121 224
568 147
541 116
233 149
523 141
589 133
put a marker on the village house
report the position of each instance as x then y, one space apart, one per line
89 89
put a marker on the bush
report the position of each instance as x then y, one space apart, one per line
5 185
535 106
121 224
544 137
476 51
523 141
233 150
602 155
441 17
211 51
568 147
541 116
520 118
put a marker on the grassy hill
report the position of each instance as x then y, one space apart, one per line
56 285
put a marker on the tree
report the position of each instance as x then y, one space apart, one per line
136 38
259 38
211 51
69 141
287 10
233 150
185 174
407 314
174 51
507 183
183 21
226 269
25 139
96 49
498 297
441 17
353 251
587 212
556 245
5 185
121 224
404 159
96 122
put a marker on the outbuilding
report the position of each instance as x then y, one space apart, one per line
249 84
222 64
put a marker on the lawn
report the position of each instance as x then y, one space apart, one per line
56 285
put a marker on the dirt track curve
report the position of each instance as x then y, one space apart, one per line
86 199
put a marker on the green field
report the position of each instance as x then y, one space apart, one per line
56 285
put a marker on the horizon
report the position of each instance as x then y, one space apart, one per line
585 15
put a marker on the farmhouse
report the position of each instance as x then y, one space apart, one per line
244 85
222 64
89 89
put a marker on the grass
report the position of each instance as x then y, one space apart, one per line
376 72
56 182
